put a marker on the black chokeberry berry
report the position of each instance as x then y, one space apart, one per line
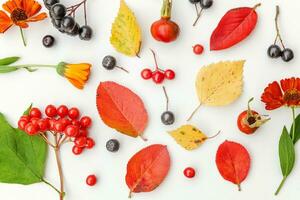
56 23
112 145
58 11
85 32
167 118
68 23
206 3
74 31
194 1
287 55
274 51
109 62
48 41
49 3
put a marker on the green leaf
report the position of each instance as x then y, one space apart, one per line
26 112
7 69
297 129
8 60
22 157
286 153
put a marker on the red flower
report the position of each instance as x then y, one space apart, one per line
287 93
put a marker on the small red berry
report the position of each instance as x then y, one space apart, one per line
85 122
80 142
51 124
158 77
169 74
51 111
35 112
31 129
62 111
83 132
146 74
73 113
34 120
71 131
22 123
43 125
65 121
59 126
90 143
189 172
91 180
75 122
198 49
25 117
77 150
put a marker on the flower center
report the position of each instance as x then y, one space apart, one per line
291 95
18 15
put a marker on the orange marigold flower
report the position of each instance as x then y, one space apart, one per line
77 74
285 94
20 13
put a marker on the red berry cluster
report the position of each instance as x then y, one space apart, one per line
61 122
158 75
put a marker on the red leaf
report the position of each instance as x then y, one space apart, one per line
233 162
234 26
147 168
121 109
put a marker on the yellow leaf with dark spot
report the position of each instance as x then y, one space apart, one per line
189 137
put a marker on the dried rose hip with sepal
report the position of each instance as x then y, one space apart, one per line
249 120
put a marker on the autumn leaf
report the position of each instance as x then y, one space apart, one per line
147 168
233 162
121 109
189 137
219 84
126 34
234 27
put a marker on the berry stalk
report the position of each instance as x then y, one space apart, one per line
278 36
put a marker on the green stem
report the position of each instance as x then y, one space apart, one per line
33 65
52 186
280 186
293 131
23 38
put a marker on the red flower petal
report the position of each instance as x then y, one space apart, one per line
5 22
290 83
272 96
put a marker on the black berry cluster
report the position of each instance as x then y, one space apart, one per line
275 51
204 4
63 19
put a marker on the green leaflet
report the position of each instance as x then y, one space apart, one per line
286 153
8 60
297 129
22 157
26 112
7 69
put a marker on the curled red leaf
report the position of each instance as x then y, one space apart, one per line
233 162
147 168
234 27
121 109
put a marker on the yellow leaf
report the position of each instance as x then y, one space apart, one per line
125 32
189 137
220 83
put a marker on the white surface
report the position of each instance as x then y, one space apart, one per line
44 87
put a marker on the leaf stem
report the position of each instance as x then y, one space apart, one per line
49 184
23 38
294 124
194 112
280 186
278 36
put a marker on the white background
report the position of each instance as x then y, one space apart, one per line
44 87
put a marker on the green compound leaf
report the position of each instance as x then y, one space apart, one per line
22 157
8 60
286 153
